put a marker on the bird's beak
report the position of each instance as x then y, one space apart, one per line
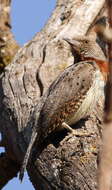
72 42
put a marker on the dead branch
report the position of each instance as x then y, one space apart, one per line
60 162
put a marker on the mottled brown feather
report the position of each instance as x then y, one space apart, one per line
66 95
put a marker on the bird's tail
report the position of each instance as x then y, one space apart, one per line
27 155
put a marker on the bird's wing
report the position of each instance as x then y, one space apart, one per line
73 83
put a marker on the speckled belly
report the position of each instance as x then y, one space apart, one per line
91 98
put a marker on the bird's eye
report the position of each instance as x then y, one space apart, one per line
86 41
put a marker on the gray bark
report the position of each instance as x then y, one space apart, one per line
62 161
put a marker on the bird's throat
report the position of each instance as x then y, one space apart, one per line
102 64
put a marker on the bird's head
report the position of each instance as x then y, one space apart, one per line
86 47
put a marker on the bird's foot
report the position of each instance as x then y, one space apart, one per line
75 132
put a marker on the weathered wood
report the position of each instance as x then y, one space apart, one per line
59 163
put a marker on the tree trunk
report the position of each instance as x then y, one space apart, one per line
63 161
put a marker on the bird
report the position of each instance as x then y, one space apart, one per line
73 95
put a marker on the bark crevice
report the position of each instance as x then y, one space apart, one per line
62 161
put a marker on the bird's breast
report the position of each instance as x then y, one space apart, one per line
89 100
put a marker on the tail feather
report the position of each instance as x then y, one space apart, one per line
27 155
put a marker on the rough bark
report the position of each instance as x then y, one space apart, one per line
62 161
8 48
